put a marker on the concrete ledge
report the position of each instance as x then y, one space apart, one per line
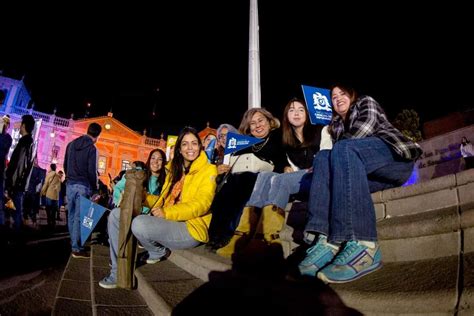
377 197
466 196
469 240
433 185
155 302
419 224
422 287
199 262
438 200
465 177
421 248
380 211
164 285
467 218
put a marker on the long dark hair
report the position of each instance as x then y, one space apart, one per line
177 164
352 93
289 137
162 172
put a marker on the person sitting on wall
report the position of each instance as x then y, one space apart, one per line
467 152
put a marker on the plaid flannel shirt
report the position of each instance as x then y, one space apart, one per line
367 119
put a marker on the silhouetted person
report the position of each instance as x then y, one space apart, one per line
467 151
5 143
80 165
31 199
19 169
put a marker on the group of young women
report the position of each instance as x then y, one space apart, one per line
335 167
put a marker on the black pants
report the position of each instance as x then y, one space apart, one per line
469 162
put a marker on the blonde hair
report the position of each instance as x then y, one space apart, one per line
244 127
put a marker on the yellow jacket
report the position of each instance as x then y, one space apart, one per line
196 197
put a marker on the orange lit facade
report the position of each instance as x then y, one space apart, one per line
118 145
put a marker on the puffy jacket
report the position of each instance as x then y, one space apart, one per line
196 198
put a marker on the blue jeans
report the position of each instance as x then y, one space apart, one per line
340 202
275 188
156 234
17 198
113 228
51 211
73 193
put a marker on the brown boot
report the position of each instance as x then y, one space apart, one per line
243 233
271 224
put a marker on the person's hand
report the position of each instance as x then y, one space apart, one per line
288 169
222 169
95 198
158 212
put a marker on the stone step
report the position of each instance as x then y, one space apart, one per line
116 301
424 287
426 233
164 285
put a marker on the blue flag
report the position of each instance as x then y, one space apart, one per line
236 142
210 149
318 102
90 215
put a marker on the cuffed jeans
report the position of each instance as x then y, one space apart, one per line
340 201
273 188
74 193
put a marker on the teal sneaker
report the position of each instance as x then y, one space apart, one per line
317 257
353 262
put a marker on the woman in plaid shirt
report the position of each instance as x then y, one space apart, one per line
369 155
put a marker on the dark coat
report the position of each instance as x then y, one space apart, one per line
19 169
130 207
5 144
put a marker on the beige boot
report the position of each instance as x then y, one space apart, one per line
271 224
243 233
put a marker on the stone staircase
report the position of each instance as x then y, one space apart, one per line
426 234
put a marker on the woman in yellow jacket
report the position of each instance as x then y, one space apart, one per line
181 216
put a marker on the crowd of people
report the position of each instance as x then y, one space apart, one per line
25 185
205 199
199 197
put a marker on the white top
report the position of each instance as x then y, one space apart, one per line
467 150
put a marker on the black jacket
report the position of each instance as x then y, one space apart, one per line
20 165
80 162
5 143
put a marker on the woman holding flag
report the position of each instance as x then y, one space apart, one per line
228 206
301 142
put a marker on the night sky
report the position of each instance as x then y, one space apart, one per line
196 54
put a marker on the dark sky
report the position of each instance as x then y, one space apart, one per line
196 53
